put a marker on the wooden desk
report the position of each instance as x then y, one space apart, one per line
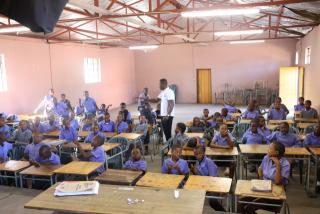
83 168
290 122
108 135
209 184
211 152
42 171
272 126
54 134
30 117
245 121
315 154
229 122
307 120
305 125
113 199
119 177
87 146
235 115
14 167
195 134
129 136
315 151
53 142
159 180
263 149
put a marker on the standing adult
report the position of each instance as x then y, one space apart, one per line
66 101
89 104
47 103
167 104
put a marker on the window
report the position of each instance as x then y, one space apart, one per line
3 76
297 58
308 55
92 70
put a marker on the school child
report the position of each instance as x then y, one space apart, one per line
205 115
282 106
230 106
300 106
180 137
308 112
125 113
86 124
276 168
263 128
5 148
175 165
197 125
224 140
73 121
79 109
22 134
107 125
37 126
251 112
284 136
225 114
60 108
206 167
4 128
51 124
313 139
136 164
120 125
67 133
95 132
31 152
142 128
46 157
97 154
252 135
216 120
277 113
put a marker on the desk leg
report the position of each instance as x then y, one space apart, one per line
21 181
56 178
16 178
51 180
87 177
228 203
236 204
315 174
241 167
285 207
308 173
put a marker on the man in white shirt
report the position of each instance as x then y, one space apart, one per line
167 99
47 103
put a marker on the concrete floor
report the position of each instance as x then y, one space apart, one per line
12 199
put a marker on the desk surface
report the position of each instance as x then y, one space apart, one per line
245 121
315 151
243 189
160 180
129 136
78 168
52 134
263 149
305 125
87 146
113 199
272 126
195 134
43 170
307 120
209 184
31 116
212 152
280 121
53 142
118 177
108 135
14 166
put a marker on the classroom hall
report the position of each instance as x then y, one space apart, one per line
159 106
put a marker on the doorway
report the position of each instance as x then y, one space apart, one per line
204 87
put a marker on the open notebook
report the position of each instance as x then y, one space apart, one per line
261 185
68 188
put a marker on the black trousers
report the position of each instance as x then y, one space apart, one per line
167 126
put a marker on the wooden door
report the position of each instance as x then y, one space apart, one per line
291 84
204 88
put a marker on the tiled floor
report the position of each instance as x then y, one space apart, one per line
12 199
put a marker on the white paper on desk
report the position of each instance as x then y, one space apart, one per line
69 188
261 185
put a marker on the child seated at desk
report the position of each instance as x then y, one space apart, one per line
263 128
95 132
252 135
225 114
125 113
97 154
284 136
205 115
31 152
175 165
300 105
52 125
180 137
277 113
37 126
197 125
67 133
73 121
142 128
282 106
4 128
46 157
276 168
121 126
5 148
224 140
230 106
136 164
107 125
308 112
22 134
86 124
313 139
251 112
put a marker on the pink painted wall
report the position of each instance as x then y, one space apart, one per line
237 65
29 78
312 70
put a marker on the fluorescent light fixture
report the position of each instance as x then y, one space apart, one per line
143 47
246 42
14 29
240 32
220 12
